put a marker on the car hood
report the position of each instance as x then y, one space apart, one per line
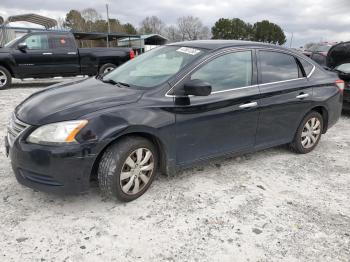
338 54
67 101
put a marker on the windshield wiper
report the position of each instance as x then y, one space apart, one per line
123 84
111 81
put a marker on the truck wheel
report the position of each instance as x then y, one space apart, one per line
106 68
127 168
5 78
308 134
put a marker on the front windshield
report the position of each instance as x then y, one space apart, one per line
154 67
8 44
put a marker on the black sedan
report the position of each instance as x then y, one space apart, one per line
170 108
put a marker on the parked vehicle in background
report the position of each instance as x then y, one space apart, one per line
307 50
318 52
170 108
50 54
338 60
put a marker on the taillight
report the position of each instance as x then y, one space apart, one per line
132 54
341 85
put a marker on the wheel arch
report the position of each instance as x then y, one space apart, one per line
324 113
8 67
160 147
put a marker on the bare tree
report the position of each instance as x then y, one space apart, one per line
91 16
60 23
152 25
191 28
205 33
172 33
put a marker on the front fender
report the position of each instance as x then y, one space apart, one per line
159 126
7 61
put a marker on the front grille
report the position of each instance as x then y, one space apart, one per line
15 127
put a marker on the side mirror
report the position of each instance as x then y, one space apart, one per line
22 46
197 87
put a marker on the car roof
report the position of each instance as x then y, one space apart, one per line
218 44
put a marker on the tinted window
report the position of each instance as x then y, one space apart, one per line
37 42
62 42
307 66
227 71
277 67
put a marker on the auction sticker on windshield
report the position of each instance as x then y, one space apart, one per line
188 50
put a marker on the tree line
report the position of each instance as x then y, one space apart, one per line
185 28
263 31
89 20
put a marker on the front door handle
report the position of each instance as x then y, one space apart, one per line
47 53
71 53
301 96
248 105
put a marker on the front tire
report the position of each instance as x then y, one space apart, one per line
5 78
127 168
308 134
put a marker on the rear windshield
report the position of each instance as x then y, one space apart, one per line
154 67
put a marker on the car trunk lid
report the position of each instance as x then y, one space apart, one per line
338 59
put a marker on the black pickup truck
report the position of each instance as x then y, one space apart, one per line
50 54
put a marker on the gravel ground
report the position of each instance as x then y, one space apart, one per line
268 206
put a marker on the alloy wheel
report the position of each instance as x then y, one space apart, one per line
136 171
3 78
311 132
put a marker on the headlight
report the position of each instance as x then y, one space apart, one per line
62 132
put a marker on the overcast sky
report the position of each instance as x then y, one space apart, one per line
309 20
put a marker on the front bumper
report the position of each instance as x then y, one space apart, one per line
54 169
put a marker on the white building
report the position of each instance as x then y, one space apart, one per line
144 43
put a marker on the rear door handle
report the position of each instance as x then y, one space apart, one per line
47 53
248 105
72 53
301 96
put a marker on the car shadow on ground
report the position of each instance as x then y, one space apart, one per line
211 165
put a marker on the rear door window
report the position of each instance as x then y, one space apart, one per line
62 42
276 66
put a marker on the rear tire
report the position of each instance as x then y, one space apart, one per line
106 68
5 78
127 168
308 133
